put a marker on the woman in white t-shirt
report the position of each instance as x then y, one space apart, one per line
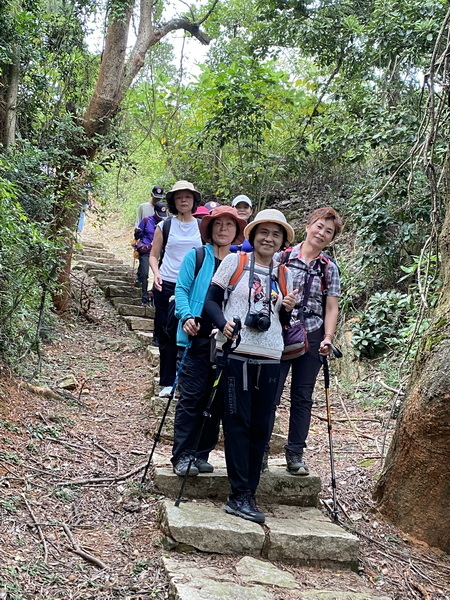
251 372
165 262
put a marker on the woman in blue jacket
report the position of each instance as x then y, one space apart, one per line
219 229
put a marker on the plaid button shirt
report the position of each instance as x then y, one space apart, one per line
300 272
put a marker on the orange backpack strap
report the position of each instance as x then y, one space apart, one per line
282 279
243 259
242 263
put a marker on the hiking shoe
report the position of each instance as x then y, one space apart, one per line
137 283
165 392
203 465
244 506
265 463
295 463
181 466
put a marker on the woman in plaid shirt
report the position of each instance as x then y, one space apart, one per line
306 260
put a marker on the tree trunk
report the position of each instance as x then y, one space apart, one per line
414 488
116 75
10 108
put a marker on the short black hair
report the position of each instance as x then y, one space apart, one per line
252 234
170 199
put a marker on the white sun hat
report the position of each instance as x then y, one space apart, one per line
271 215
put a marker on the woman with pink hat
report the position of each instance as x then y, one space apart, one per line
261 299
219 230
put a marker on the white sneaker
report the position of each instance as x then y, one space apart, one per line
165 392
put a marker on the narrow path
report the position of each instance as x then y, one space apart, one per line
55 535
99 430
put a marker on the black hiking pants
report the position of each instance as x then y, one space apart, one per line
142 275
303 379
195 386
249 387
167 348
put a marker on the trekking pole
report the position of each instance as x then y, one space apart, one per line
226 348
326 375
157 436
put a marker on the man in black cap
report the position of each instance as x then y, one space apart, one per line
146 209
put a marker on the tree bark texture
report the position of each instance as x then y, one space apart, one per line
414 488
9 108
116 75
117 72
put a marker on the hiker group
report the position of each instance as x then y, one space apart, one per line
237 306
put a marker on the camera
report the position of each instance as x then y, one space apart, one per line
259 321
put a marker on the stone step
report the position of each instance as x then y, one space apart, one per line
87 265
139 323
105 281
146 338
275 487
114 291
113 271
124 301
255 579
297 535
152 355
101 261
130 310
93 253
97 245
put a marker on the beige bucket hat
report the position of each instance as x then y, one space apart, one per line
271 215
183 185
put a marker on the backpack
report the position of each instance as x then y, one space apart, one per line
242 266
324 262
172 321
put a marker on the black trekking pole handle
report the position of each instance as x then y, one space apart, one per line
226 348
206 414
336 352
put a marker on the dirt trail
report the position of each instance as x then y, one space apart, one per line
101 429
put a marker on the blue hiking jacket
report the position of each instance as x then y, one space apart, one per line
190 293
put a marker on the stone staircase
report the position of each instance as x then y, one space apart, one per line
296 531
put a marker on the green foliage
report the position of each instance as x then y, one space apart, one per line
28 263
381 325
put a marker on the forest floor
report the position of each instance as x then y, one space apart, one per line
75 523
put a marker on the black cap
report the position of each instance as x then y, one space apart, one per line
157 192
212 205
161 210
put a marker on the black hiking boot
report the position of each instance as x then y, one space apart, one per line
265 463
203 466
181 466
295 463
244 506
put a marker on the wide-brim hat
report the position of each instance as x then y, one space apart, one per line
221 211
271 215
183 185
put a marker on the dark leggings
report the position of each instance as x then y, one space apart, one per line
195 386
248 389
142 275
167 348
303 379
